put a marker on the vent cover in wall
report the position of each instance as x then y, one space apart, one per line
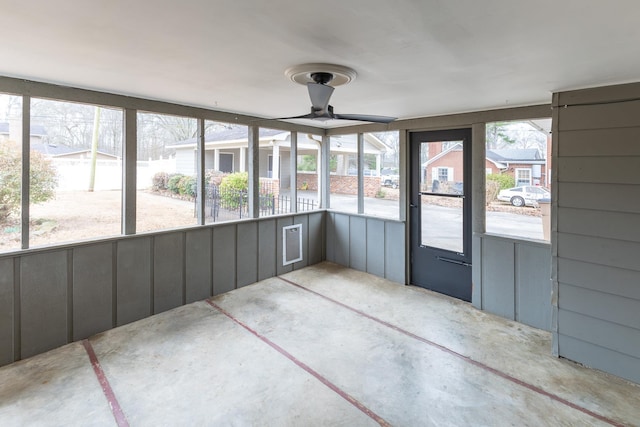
291 244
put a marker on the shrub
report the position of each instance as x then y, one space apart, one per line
160 181
43 179
187 186
492 190
212 176
504 181
238 181
233 189
173 183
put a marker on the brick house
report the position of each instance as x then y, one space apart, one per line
526 165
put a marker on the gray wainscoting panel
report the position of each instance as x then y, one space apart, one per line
281 269
304 220
43 302
267 247
394 247
341 239
331 236
533 285
199 284
168 271
92 290
375 247
133 280
247 253
6 311
512 278
476 272
316 237
224 259
358 243
498 278
54 296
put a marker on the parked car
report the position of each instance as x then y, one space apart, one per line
389 177
526 195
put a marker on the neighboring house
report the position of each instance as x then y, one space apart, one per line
13 131
526 165
66 152
39 142
226 151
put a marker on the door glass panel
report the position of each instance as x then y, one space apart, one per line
442 195
442 167
442 226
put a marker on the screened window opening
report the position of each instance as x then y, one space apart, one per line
518 187
76 172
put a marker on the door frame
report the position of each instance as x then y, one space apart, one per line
413 217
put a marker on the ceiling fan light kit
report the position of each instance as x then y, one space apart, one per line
321 79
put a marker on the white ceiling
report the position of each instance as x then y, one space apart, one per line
414 58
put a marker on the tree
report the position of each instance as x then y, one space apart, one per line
498 135
307 163
515 135
42 185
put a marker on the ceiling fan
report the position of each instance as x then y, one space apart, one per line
320 92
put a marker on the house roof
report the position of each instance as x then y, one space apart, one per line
52 150
62 150
514 154
237 136
500 157
36 130
230 133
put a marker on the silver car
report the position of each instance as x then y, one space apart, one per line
526 195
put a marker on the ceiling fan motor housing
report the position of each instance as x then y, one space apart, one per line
322 77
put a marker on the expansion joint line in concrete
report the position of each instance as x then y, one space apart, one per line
462 357
304 366
116 410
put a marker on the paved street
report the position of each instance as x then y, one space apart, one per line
445 225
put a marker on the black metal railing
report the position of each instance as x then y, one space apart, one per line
228 205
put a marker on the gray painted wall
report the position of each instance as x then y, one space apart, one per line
374 245
49 297
512 278
597 228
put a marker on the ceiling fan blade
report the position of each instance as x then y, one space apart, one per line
320 95
304 116
364 118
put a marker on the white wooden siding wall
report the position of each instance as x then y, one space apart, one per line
374 245
597 264
50 297
185 162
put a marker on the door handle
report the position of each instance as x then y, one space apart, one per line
453 261
411 205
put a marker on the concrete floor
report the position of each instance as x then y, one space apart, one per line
320 346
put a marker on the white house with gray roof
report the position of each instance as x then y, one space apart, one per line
226 151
